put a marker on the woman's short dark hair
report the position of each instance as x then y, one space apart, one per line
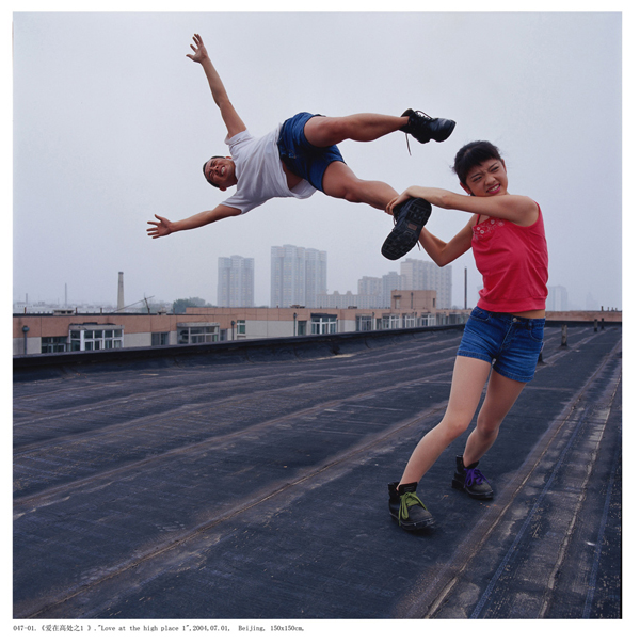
471 155
205 166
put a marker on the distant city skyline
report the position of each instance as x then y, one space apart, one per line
558 298
107 133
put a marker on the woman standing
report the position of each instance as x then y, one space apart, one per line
504 334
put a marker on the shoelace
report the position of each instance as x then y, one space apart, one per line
474 476
408 499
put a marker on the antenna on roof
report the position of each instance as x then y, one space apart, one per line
143 300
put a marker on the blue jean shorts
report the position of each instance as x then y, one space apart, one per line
511 343
301 158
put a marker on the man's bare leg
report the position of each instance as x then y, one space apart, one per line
339 181
362 127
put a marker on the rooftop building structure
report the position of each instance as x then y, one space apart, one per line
55 333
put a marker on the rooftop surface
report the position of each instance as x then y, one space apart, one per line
254 485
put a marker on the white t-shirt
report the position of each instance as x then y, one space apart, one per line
259 171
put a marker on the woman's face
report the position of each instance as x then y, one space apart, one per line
487 179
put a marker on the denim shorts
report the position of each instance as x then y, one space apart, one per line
301 158
511 343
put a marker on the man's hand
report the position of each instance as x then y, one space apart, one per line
200 52
164 226
229 115
161 228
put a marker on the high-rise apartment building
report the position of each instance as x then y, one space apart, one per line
236 282
426 275
557 300
389 282
371 285
298 275
372 292
315 275
375 292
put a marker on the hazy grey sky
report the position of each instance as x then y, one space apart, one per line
112 123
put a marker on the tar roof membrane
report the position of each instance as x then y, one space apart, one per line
256 487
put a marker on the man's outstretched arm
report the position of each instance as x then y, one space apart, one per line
164 226
229 115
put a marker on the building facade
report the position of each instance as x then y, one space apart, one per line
298 275
557 299
370 285
236 282
390 282
56 333
359 301
426 275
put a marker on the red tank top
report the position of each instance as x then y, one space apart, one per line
513 262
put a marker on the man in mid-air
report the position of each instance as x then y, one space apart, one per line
301 156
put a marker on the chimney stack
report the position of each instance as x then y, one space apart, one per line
120 301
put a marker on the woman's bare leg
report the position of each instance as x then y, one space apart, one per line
469 377
500 396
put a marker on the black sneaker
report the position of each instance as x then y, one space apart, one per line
424 128
409 216
411 513
471 480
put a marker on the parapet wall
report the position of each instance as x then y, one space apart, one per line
608 316
222 351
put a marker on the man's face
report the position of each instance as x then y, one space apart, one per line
222 172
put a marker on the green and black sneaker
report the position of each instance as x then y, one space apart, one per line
405 506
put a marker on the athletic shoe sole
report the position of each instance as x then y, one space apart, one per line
457 484
411 218
406 525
